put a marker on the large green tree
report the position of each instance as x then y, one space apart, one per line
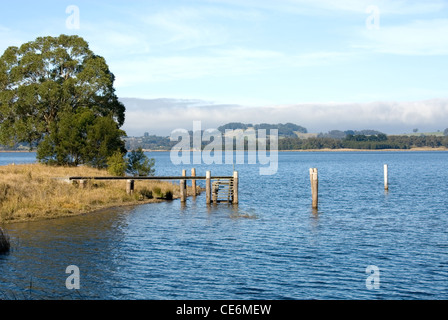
54 84
81 138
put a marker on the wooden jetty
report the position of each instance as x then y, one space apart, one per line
218 189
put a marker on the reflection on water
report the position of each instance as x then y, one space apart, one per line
272 246
43 250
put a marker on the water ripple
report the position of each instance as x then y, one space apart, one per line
272 247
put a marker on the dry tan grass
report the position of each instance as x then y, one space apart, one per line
31 192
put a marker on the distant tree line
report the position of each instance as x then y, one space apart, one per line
154 142
338 134
373 142
359 141
149 142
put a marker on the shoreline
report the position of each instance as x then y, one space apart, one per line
87 212
295 150
32 192
368 150
91 211
337 150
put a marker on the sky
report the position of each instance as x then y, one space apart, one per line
315 63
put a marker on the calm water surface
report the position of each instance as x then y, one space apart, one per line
273 246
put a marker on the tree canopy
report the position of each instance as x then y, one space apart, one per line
57 94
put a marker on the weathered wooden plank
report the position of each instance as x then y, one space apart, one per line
148 178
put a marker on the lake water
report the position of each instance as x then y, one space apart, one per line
272 246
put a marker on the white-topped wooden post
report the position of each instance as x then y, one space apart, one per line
208 187
235 187
183 187
386 178
193 182
314 187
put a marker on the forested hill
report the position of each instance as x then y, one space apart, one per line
334 139
284 130
372 142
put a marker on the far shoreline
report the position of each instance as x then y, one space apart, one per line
368 150
338 150
296 150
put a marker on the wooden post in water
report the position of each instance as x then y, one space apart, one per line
314 187
386 178
193 182
215 188
183 187
208 187
235 187
130 187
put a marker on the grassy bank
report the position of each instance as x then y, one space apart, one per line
31 192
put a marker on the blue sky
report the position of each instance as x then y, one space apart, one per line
255 53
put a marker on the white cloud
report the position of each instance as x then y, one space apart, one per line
217 63
184 28
398 7
420 37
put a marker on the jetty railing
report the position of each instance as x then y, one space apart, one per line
212 194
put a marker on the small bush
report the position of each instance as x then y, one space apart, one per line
168 195
157 191
97 185
117 164
146 193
